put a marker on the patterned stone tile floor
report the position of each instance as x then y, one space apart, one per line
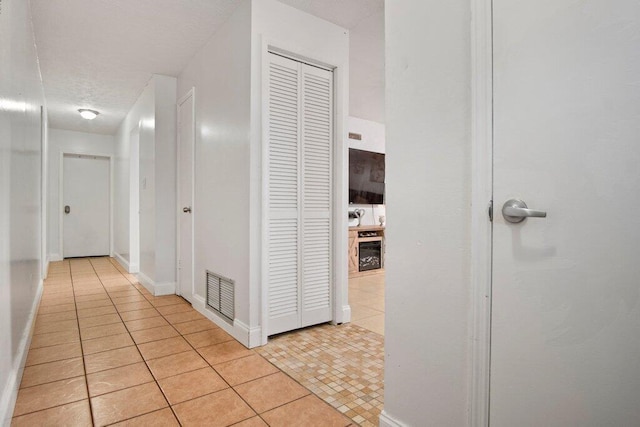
343 365
104 351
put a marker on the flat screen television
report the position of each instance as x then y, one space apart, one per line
366 177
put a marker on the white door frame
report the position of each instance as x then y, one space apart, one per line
339 268
61 193
481 195
191 93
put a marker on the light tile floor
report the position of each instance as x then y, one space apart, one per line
106 352
366 298
342 364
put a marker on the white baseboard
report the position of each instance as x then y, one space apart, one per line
254 334
156 289
238 330
387 420
10 392
166 288
133 268
345 316
55 257
121 260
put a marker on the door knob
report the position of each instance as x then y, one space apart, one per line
516 211
67 209
187 209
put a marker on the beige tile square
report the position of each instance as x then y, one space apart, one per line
71 414
139 314
104 302
111 359
153 334
99 320
131 306
195 326
53 300
96 311
190 385
148 323
373 323
224 352
308 411
245 369
208 337
106 343
103 331
56 308
60 326
166 300
222 408
48 395
52 371
118 378
55 317
53 353
174 308
161 418
184 317
176 364
361 312
94 297
54 338
281 390
128 403
137 297
161 348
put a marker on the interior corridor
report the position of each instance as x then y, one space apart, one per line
105 351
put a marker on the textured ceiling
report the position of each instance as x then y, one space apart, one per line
100 54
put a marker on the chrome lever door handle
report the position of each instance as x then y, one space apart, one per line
516 211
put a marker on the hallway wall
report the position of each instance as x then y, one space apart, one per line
154 115
429 196
21 207
66 141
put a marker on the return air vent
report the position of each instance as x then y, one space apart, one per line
220 295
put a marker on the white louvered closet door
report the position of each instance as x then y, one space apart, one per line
298 176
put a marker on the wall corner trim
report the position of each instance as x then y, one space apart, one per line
254 334
55 257
10 392
122 261
387 420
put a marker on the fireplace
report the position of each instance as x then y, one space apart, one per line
370 255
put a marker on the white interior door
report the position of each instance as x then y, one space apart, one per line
86 205
298 177
185 202
565 344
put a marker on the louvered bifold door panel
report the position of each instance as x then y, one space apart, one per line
317 141
283 195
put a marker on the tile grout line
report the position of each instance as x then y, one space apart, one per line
136 346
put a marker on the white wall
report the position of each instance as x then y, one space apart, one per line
141 117
220 75
66 141
373 139
366 65
21 206
281 26
428 238
152 119
227 76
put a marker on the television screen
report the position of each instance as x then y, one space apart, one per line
366 177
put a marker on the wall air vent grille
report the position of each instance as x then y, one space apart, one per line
220 295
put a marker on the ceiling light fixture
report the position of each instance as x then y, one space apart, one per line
88 114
